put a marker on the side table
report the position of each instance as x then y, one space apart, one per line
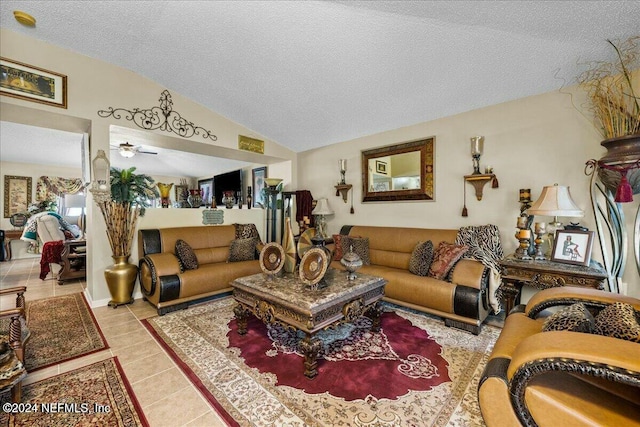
73 260
545 274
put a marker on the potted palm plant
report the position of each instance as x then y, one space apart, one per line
612 90
130 196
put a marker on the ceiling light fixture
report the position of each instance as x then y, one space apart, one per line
24 18
126 152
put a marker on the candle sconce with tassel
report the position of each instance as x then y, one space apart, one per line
477 179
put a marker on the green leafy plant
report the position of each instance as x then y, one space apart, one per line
138 189
130 194
612 87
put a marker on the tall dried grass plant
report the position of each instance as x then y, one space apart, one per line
612 87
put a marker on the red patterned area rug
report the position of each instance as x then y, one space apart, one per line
414 372
95 395
62 328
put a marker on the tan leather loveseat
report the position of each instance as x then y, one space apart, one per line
462 301
561 377
168 288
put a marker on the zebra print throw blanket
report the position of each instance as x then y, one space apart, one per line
485 246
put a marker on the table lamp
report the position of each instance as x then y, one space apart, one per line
555 200
321 210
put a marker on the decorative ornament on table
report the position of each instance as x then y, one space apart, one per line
351 262
313 267
289 246
272 258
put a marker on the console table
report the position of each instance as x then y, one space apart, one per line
545 274
8 235
73 260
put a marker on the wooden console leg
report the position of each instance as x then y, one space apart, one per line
310 347
242 314
374 313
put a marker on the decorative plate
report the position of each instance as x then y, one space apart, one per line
313 266
304 242
272 258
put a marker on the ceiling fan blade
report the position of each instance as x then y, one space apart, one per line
145 152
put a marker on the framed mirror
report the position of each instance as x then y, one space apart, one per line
399 172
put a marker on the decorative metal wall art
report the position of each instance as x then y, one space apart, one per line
162 117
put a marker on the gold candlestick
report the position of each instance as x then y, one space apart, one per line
523 236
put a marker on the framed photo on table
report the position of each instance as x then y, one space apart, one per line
206 191
572 247
258 176
17 194
31 83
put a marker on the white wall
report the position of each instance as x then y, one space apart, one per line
94 85
530 143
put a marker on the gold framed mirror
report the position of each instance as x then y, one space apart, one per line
399 172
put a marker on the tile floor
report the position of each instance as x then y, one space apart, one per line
167 397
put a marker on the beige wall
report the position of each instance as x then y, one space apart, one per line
94 85
530 143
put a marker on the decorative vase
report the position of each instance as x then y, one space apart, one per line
228 199
249 197
121 278
289 245
195 198
165 189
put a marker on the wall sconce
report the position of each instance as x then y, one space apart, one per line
478 179
321 210
101 178
343 188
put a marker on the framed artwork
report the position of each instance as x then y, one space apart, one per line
17 194
206 191
572 247
258 175
31 83
381 167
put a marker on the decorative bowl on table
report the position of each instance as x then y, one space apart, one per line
313 266
272 258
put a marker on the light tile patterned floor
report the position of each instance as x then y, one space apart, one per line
165 394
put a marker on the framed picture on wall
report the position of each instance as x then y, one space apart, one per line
572 247
381 167
258 175
32 83
206 191
17 194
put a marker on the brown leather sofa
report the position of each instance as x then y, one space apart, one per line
461 301
168 288
561 378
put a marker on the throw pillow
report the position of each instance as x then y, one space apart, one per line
444 258
185 254
243 249
338 251
360 246
421 258
574 318
618 320
246 231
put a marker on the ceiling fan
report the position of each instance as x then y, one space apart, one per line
127 150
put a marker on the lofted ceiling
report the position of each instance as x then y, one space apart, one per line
313 73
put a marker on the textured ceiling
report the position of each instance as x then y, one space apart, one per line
308 74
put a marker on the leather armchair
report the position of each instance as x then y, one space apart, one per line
536 378
13 337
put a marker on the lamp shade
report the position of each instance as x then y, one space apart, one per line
322 208
555 200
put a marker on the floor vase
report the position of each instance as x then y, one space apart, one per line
121 278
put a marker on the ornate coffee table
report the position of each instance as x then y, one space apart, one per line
289 302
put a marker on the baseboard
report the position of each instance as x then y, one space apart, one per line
102 302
